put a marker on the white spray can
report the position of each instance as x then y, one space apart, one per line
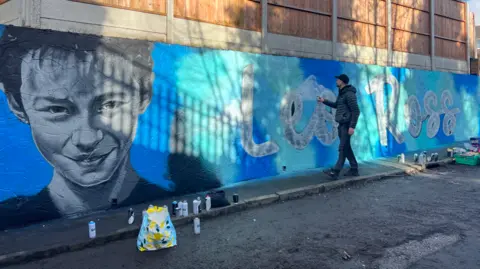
92 230
421 159
185 209
208 203
196 226
199 204
196 205
402 158
179 209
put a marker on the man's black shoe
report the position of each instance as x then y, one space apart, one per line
352 173
333 174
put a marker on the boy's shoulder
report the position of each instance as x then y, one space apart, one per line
25 210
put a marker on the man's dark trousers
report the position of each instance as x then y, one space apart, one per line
345 149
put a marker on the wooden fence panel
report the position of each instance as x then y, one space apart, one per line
411 20
367 11
362 34
411 42
243 14
362 23
415 4
449 49
302 18
148 6
321 6
451 9
411 26
450 29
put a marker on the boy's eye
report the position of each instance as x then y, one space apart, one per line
108 106
57 110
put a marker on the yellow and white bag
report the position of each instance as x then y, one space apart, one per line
157 231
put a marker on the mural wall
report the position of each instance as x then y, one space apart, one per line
89 123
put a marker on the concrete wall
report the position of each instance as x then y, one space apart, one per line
63 15
85 126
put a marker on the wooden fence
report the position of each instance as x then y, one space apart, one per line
359 22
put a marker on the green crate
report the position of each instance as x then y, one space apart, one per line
467 160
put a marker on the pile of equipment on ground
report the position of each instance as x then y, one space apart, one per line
469 155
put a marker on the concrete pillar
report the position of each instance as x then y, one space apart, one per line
334 29
170 17
264 4
31 13
389 34
468 24
432 33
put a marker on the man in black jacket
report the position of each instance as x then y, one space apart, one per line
347 116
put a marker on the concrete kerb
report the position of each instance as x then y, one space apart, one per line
291 194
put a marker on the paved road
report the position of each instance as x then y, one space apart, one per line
428 221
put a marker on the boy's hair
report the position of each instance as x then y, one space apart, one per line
125 59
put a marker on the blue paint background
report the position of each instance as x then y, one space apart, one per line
205 83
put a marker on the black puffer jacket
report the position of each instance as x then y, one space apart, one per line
347 106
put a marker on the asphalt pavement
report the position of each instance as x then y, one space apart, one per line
430 221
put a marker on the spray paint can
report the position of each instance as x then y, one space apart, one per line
235 198
415 157
402 158
421 159
185 209
92 230
436 157
196 205
180 209
174 208
196 226
199 203
131 216
208 203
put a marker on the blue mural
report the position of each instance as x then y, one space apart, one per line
89 123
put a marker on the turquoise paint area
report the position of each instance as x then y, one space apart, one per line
214 78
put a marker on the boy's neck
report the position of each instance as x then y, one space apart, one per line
71 198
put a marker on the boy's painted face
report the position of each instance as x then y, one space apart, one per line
83 117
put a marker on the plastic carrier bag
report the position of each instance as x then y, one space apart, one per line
157 231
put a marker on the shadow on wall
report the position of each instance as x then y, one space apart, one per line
90 94
82 97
